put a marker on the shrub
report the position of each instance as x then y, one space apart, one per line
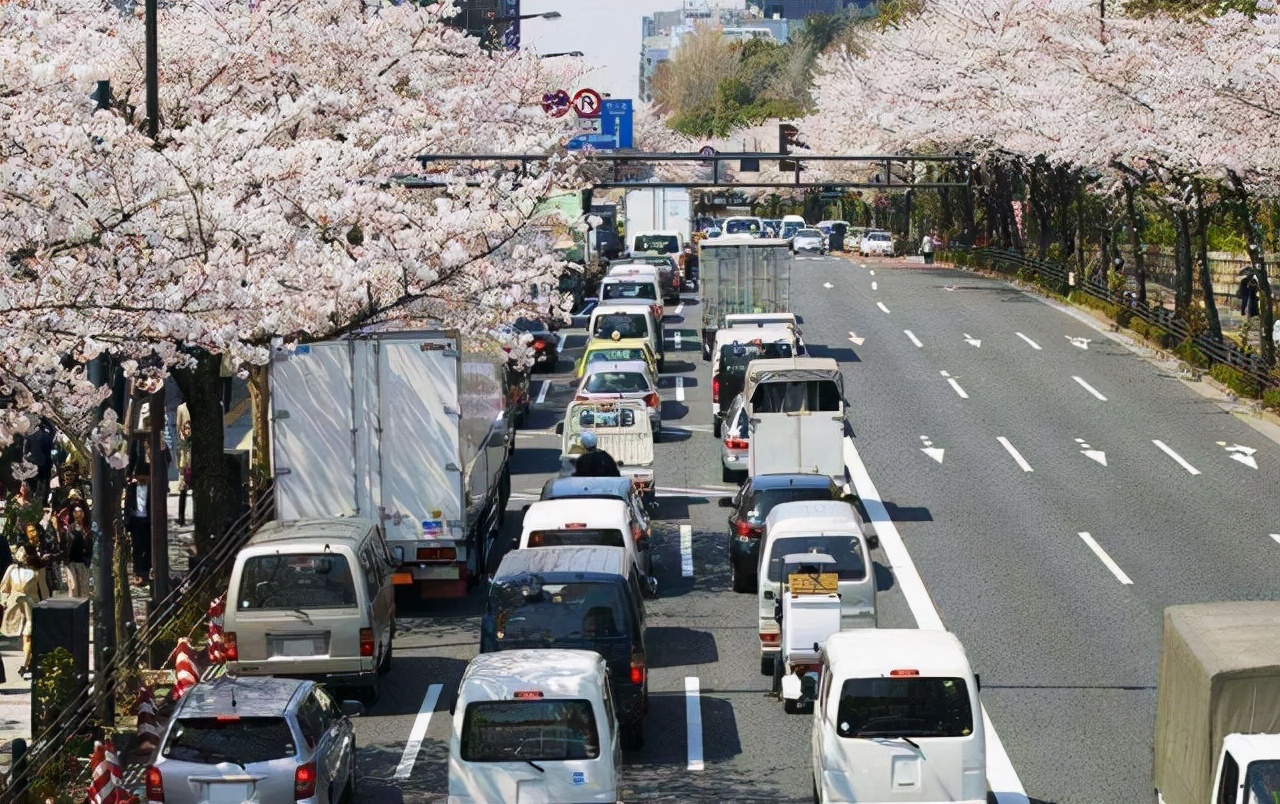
1191 354
1124 316
1271 398
1241 384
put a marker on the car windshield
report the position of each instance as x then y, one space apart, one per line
609 537
530 325
241 740
667 244
616 382
296 581
789 229
529 731
734 357
904 706
1262 781
742 226
766 499
629 290
846 550
550 613
876 236
627 325
808 233
614 355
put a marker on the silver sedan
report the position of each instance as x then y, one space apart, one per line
734 441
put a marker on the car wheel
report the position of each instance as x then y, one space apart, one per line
631 735
740 580
766 665
349 791
716 427
369 695
384 666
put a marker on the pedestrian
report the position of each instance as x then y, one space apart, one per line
926 248
137 522
1247 293
595 462
184 461
22 586
38 450
77 537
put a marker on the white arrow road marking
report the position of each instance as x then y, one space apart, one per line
913 338
1106 559
1082 343
972 341
1013 451
854 339
419 732
1001 777
828 285
1032 343
1089 452
542 392
693 722
1241 453
930 450
873 286
864 265
882 307
1181 462
679 308
686 551
1089 388
1276 536
679 389
955 385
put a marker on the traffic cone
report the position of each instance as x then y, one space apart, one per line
217 649
148 723
115 773
184 668
102 789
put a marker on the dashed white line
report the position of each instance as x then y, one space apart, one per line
1106 559
913 338
679 389
679 308
1181 461
419 732
542 392
1086 386
1013 451
882 307
1276 536
686 550
873 286
956 386
1001 776
693 721
1030 342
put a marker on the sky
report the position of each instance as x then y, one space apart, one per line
606 31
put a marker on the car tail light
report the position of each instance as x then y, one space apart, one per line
736 443
535 540
304 781
770 639
715 389
652 400
366 641
155 784
637 535
230 648
745 528
538 346
637 668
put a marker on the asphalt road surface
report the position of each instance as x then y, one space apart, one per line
1040 487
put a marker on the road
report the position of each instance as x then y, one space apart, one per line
1050 493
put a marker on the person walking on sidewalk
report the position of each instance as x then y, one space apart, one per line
926 249
184 461
22 587
77 546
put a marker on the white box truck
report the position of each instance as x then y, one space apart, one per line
410 429
658 209
741 274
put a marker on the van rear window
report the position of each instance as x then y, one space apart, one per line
242 740
629 290
529 731
808 396
667 244
846 550
609 537
557 612
627 325
907 706
734 357
296 581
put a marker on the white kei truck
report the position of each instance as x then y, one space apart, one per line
411 429
1217 735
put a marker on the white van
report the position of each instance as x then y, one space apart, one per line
635 285
534 726
609 523
792 224
830 527
897 719
313 598
631 320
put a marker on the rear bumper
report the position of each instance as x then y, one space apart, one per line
734 461
345 673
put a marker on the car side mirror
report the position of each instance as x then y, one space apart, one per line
351 708
726 502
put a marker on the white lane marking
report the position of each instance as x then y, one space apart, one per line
930 450
677 491
675 337
882 307
1081 343
1089 452
1001 776
1241 453
828 285
957 387
542 392
1013 451
679 308
419 731
855 340
1276 536
1181 461
972 341
686 550
693 721
1086 386
913 338
864 265
1106 559
873 286
679 389
1032 343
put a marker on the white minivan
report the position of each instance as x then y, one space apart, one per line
629 320
534 726
608 523
831 527
897 719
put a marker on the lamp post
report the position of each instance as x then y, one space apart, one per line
574 53
153 71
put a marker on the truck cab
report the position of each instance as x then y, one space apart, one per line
1248 770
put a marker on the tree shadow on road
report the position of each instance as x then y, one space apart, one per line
676 646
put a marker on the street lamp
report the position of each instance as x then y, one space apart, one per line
574 53
547 15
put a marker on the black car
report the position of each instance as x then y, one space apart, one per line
751 507
589 598
545 342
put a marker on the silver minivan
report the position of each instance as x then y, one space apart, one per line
313 598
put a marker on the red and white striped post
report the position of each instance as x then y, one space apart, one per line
102 789
184 668
217 649
148 723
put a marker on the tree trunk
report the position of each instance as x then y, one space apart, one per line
260 411
1246 210
1201 219
1182 262
214 490
1135 241
1041 199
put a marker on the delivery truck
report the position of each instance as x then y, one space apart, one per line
658 209
741 274
1218 704
412 429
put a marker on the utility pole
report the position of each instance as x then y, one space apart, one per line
153 72
104 600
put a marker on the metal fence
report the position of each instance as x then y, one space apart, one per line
1058 277
118 679
1224 267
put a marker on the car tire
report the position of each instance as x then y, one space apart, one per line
369 695
716 426
766 665
384 666
631 736
727 475
740 580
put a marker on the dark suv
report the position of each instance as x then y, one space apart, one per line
588 598
751 506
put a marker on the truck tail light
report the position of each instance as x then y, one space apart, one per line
637 668
770 640
652 400
304 781
155 785
736 443
437 554
230 648
715 389
366 641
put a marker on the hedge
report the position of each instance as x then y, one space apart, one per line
1240 383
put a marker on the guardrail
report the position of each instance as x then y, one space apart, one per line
117 681
1055 276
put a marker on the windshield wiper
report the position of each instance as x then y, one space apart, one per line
535 766
305 616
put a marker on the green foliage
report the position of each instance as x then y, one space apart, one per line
1083 299
1155 334
1124 316
55 688
1241 384
1191 355
1271 398
1189 9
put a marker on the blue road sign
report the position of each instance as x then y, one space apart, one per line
601 142
616 118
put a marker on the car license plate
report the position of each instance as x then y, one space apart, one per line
299 647
231 793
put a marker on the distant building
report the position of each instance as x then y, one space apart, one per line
799 9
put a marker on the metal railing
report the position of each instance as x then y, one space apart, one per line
1057 277
117 680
